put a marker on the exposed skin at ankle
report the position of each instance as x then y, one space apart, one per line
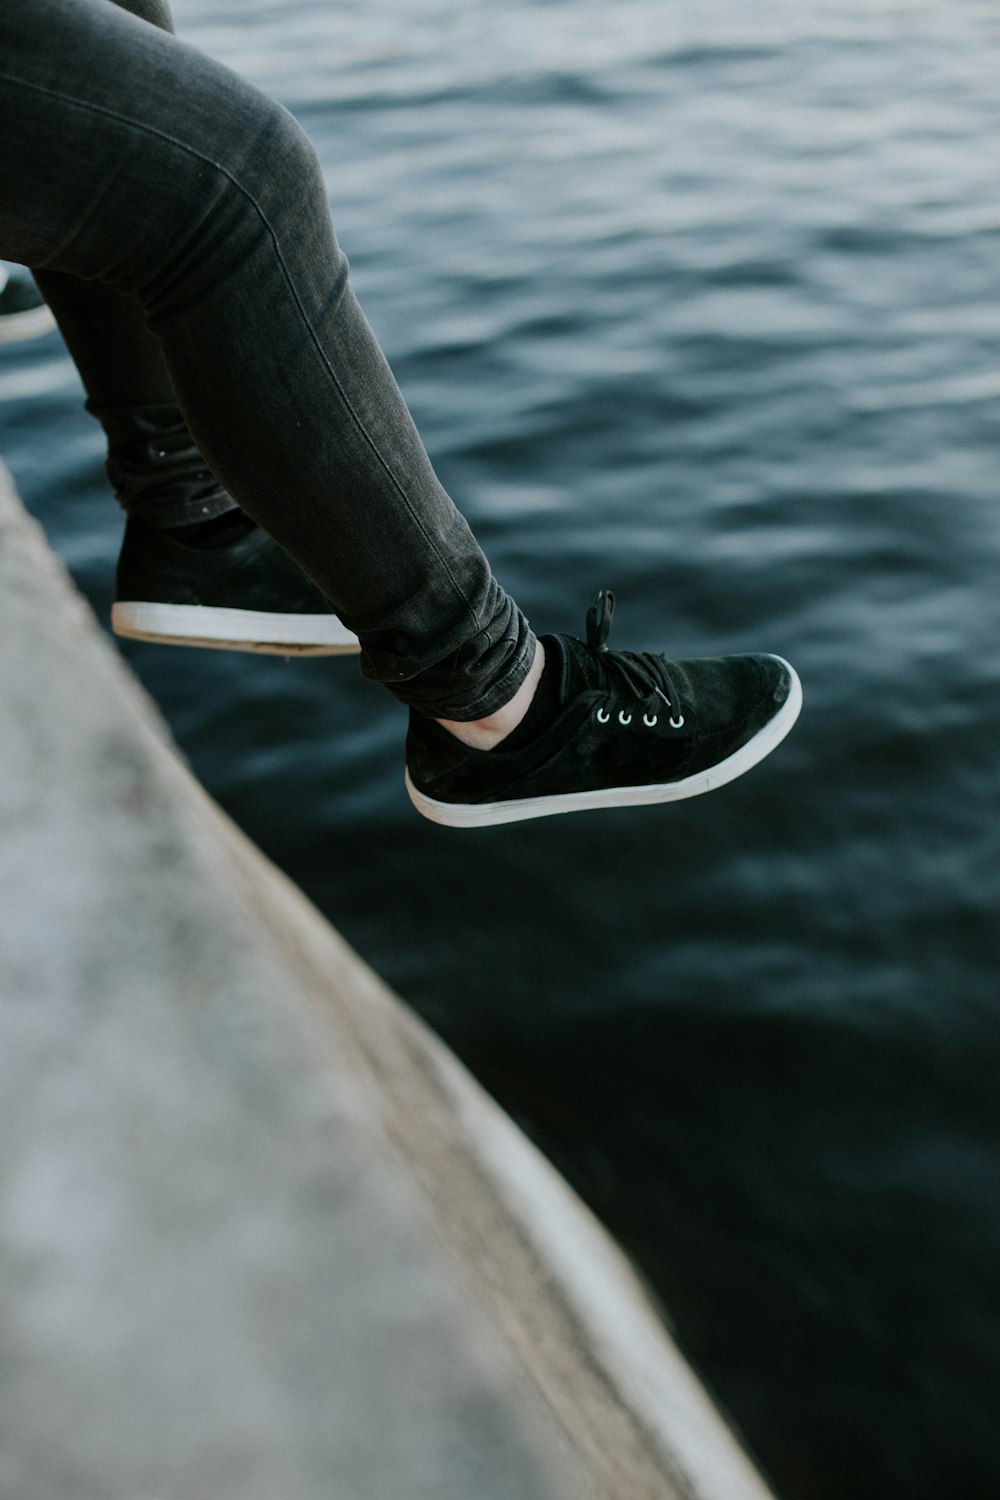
484 734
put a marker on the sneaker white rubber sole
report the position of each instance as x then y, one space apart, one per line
30 324
480 815
233 629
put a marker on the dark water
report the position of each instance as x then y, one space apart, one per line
701 302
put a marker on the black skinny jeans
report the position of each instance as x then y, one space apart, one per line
178 222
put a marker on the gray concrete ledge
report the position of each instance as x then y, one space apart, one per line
261 1235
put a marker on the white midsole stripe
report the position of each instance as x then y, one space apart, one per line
246 629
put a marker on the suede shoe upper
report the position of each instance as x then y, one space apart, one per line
251 573
627 719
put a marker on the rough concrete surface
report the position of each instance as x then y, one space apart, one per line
261 1236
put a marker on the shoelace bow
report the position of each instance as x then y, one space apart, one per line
641 674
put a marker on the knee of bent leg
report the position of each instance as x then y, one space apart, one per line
275 164
258 178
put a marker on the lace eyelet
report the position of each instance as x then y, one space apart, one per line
602 717
677 723
623 717
650 722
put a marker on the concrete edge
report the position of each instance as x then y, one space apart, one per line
586 1332
585 1328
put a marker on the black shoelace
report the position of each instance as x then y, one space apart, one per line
642 675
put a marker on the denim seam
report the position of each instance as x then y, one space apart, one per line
209 161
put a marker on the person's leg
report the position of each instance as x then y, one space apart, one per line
193 568
139 163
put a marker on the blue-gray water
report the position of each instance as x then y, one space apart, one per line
701 302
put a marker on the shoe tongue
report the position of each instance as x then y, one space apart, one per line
574 664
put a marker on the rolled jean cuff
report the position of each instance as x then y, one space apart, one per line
469 682
500 691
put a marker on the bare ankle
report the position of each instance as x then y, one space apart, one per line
485 734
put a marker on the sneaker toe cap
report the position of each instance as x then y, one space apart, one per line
732 698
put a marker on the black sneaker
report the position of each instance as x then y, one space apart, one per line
244 595
632 729
24 314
